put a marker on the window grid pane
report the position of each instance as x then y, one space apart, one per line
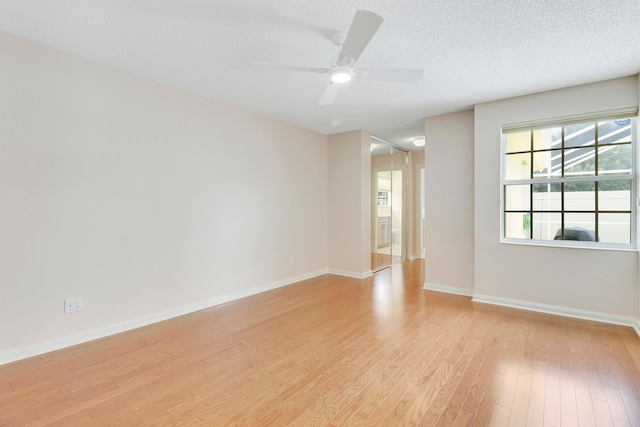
547 164
614 228
614 131
518 142
572 208
518 166
518 197
614 159
580 135
579 162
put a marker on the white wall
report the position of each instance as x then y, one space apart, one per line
349 189
600 281
144 199
449 201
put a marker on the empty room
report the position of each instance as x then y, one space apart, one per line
326 213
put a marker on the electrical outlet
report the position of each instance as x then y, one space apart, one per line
290 260
71 305
472 270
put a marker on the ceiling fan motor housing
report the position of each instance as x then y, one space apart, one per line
341 74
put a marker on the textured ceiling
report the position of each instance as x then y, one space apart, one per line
471 51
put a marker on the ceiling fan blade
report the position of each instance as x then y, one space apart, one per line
268 66
364 26
329 94
401 75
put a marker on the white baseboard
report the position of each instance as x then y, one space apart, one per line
448 289
92 334
540 308
352 274
560 311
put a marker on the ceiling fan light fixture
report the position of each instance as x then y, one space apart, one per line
341 75
419 141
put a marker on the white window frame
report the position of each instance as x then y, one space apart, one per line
631 113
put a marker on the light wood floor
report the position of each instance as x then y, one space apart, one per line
379 261
338 351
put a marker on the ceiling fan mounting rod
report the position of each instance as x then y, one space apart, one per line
346 61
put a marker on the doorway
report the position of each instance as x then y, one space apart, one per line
388 210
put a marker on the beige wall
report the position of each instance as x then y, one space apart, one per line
149 202
449 200
415 219
603 281
349 203
146 200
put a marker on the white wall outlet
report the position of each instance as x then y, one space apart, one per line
472 270
290 260
71 305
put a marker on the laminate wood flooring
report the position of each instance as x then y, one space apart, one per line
335 351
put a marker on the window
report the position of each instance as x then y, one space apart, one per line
383 198
572 181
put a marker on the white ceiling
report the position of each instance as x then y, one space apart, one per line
471 50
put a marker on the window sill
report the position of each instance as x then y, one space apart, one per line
569 245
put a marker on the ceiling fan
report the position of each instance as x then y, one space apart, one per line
364 26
